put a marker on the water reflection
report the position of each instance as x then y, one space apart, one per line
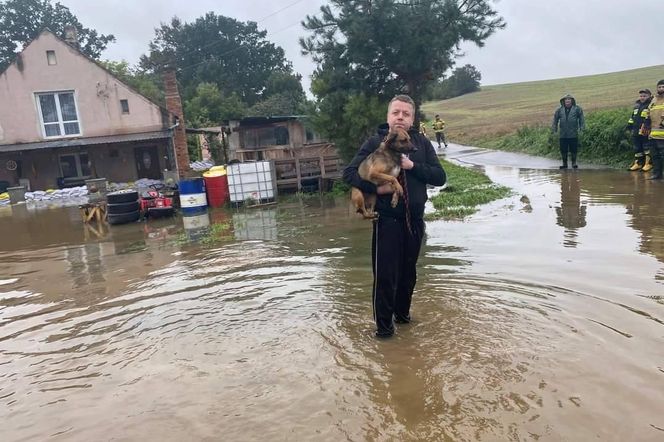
571 213
256 324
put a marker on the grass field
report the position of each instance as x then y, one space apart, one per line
501 109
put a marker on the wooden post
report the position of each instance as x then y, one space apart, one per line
298 175
322 166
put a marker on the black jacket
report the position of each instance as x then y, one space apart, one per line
639 115
427 170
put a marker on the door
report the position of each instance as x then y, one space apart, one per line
147 162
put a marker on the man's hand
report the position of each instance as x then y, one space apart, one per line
384 189
406 163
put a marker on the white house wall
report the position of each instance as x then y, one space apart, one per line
97 95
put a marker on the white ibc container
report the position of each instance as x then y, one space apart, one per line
253 181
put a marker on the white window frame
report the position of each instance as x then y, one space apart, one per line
61 124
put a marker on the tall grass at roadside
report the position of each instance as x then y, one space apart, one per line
499 110
466 190
604 141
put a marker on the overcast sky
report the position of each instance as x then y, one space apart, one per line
544 38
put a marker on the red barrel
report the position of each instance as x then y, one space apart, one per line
216 188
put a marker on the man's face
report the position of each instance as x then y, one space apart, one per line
643 97
568 102
401 115
660 89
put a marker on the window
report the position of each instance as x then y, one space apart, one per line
124 104
267 136
50 58
74 165
58 114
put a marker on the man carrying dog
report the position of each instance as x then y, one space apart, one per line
398 231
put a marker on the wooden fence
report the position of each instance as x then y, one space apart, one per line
299 173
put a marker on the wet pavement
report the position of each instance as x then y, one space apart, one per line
540 318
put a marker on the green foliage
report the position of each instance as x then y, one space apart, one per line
194 148
463 80
466 189
394 46
144 83
277 104
348 119
604 140
23 20
208 106
233 55
339 188
379 49
218 149
498 110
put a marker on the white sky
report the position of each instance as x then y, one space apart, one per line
544 38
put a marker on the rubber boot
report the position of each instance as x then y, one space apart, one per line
639 161
647 167
564 166
657 169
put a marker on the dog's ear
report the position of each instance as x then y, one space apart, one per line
391 136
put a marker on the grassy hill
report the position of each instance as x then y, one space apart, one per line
501 109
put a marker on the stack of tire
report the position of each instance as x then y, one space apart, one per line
123 207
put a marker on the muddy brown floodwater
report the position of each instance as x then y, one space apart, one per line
535 319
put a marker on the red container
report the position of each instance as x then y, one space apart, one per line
216 188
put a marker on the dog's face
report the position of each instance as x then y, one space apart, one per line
399 140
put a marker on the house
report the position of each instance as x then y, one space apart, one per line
272 138
64 118
302 160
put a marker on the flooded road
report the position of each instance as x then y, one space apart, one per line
539 318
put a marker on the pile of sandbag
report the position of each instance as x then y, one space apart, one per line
200 166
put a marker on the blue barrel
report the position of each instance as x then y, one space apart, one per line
192 196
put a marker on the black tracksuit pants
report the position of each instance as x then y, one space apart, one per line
394 257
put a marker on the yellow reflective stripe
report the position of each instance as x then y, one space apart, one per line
657 133
636 111
657 107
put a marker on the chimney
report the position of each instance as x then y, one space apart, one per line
174 106
71 36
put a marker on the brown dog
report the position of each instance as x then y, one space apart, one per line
382 166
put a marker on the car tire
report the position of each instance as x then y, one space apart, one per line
120 208
124 218
122 196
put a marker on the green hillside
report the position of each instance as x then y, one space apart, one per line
501 109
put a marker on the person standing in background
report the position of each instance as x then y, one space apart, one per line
569 118
439 129
656 124
640 132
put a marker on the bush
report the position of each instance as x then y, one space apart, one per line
604 140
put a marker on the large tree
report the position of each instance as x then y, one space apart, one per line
463 80
383 47
147 84
22 20
234 55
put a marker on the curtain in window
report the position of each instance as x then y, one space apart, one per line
68 110
50 115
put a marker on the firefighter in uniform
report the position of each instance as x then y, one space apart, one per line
640 131
423 128
656 120
439 129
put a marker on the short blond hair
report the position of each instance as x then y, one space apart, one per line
403 98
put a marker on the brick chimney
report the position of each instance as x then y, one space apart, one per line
71 36
174 106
